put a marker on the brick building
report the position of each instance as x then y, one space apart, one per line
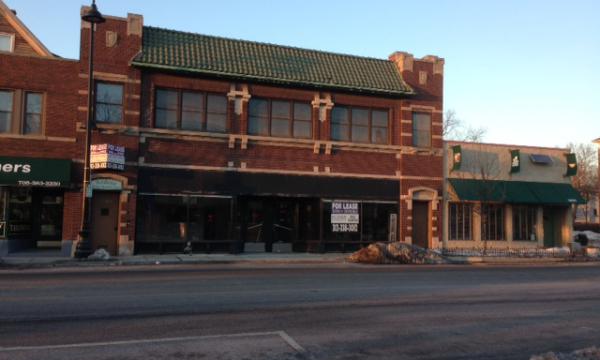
234 145
38 141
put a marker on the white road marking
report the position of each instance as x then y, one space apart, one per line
291 342
282 334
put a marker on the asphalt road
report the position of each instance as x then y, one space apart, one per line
298 312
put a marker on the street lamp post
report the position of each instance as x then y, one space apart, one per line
84 245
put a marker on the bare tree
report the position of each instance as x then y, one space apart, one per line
456 129
586 179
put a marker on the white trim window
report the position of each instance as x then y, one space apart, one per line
7 42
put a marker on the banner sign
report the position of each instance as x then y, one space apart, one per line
345 216
456 157
35 172
515 161
107 156
571 164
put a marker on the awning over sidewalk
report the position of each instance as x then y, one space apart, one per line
516 192
36 172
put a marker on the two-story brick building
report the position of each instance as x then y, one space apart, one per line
233 145
38 141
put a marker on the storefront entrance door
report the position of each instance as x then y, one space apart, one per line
549 227
420 224
286 222
105 221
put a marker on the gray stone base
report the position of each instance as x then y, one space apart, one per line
66 248
254 247
3 247
282 247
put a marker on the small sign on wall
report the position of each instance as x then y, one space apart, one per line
345 216
107 156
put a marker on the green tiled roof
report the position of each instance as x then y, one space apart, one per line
253 61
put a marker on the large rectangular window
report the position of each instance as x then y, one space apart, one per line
167 222
109 103
189 110
33 113
461 218
362 125
492 222
6 111
421 129
524 223
280 118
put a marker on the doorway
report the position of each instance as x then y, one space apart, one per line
549 227
285 222
105 221
420 224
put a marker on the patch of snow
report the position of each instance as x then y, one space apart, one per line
100 254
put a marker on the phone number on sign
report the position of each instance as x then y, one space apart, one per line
344 227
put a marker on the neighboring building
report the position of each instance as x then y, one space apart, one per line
38 142
234 145
507 197
588 213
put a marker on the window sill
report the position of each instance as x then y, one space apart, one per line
36 137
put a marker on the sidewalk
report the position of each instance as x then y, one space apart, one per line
32 260
47 261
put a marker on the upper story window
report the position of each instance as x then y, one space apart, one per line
421 129
21 119
280 118
32 123
359 125
6 110
109 103
187 110
7 42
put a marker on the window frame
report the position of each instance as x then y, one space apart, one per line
18 114
12 111
415 130
499 224
527 213
465 233
24 113
122 120
369 126
179 110
12 42
292 119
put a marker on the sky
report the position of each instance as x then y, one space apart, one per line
528 71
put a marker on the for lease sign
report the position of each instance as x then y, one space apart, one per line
345 216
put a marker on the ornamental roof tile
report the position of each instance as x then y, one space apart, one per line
253 61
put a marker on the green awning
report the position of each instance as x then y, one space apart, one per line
516 192
36 172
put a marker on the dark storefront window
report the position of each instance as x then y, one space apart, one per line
166 223
492 222
19 212
374 225
461 218
32 216
524 223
